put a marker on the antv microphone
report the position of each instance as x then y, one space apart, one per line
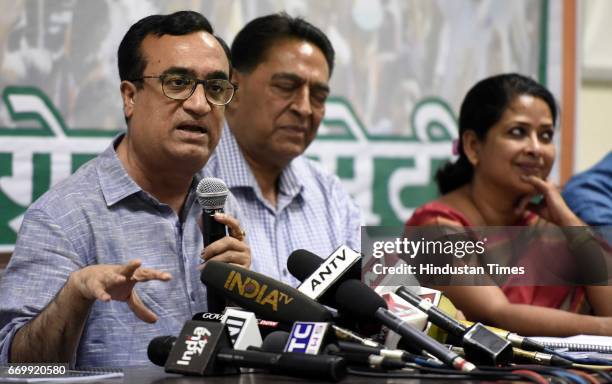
212 193
319 276
267 298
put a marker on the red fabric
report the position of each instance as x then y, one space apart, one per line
545 296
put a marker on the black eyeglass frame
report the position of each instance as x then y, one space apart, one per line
196 81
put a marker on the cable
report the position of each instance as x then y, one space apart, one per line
536 377
570 376
587 376
453 376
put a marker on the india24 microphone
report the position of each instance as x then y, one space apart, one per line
267 298
203 349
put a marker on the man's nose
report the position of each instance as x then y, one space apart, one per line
197 103
301 101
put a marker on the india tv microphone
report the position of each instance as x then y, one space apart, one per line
204 349
370 305
268 298
212 193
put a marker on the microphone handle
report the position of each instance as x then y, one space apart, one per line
247 359
291 364
435 315
212 230
422 341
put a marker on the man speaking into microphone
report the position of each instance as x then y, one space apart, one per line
108 259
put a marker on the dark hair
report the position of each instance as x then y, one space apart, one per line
131 61
253 41
482 108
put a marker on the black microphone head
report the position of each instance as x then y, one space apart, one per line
275 342
159 349
211 193
358 300
302 263
268 298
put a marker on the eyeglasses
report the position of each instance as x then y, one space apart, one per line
181 87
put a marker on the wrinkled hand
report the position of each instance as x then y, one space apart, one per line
231 249
552 207
108 282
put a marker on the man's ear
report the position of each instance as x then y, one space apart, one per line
128 94
471 146
235 79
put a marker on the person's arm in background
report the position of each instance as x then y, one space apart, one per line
554 209
46 293
489 305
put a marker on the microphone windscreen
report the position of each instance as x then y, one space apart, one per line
211 193
302 263
275 342
159 349
267 298
359 300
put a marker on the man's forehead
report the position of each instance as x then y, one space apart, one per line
199 52
294 51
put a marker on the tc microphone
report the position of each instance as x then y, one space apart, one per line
203 349
370 305
266 297
211 193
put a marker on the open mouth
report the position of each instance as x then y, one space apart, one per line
193 128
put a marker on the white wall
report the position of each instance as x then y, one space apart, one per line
594 132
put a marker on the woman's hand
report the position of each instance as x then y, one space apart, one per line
552 207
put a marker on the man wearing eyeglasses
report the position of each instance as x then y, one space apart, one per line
282 67
108 259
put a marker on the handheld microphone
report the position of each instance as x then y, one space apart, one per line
479 343
370 305
203 349
211 193
266 297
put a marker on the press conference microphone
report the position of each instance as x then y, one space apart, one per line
370 305
203 349
479 343
265 326
211 193
320 277
303 342
267 298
